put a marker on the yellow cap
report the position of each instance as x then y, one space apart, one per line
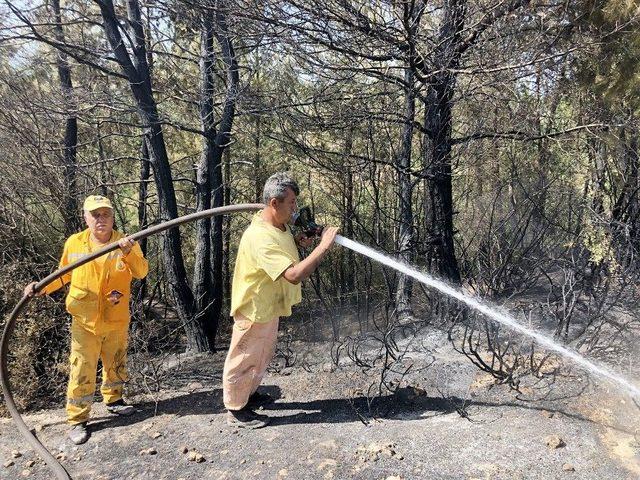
93 202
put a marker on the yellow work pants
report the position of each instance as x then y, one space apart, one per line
86 348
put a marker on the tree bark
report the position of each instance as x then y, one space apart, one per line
346 272
625 212
137 72
440 243
227 228
69 208
405 214
222 141
143 221
257 141
202 291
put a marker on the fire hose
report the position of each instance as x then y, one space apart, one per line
57 468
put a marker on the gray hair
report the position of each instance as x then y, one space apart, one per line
276 186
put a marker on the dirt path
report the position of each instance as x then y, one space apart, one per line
450 424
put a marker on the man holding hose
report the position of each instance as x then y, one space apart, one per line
98 301
266 284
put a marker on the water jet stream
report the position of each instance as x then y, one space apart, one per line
491 312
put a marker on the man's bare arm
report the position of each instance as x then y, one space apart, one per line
306 267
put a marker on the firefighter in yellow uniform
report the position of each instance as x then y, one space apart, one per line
98 301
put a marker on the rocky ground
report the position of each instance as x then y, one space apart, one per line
448 421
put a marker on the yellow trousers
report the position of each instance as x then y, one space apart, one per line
86 348
250 352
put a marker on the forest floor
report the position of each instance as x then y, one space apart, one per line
447 420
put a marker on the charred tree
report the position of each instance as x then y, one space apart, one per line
69 208
137 73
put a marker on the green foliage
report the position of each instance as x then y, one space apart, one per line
613 71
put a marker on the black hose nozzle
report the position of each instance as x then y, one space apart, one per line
307 225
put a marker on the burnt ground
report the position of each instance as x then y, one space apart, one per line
447 421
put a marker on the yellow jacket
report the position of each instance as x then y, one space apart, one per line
87 298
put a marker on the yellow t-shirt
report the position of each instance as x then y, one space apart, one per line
259 291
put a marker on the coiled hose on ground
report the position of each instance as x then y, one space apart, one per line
57 468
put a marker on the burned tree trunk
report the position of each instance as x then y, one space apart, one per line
625 212
143 222
222 141
405 214
441 246
227 229
347 260
411 14
136 69
202 290
69 208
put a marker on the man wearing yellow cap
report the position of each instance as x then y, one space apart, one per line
98 301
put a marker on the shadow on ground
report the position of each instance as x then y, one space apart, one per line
328 411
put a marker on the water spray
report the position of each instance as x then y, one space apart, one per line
490 311
307 225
